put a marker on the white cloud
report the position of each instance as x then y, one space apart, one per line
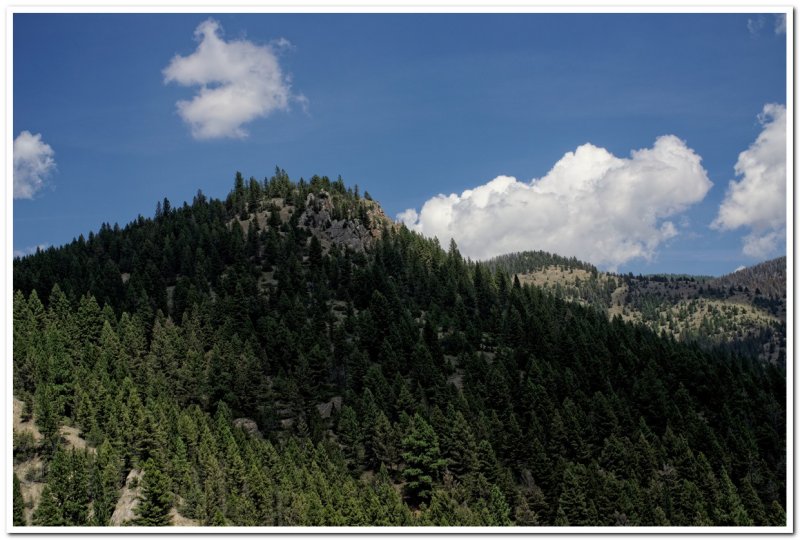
592 205
758 200
239 82
30 250
33 163
754 26
780 23
757 24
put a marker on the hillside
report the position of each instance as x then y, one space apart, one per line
744 311
288 356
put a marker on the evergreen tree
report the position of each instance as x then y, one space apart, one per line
19 504
488 398
48 513
156 499
423 460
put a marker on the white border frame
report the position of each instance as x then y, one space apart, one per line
410 6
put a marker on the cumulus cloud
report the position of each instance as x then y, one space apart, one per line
758 200
592 205
239 82
33 164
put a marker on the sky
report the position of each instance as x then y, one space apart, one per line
642 143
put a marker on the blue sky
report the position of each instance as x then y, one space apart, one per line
412 106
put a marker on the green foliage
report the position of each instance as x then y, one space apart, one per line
156 499
19 504
423 460
399 368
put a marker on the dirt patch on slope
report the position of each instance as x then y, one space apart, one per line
19 425
129 499
74 440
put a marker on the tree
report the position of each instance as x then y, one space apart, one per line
731 510
777 515
573 502
156 500
458 444
351 438
423 460
48 513
106 482
315 253
19 504
384 442
47 415
498 508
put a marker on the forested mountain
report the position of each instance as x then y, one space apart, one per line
744 311
288 356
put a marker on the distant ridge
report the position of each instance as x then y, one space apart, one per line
743 310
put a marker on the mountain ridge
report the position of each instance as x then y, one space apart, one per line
260 372
745 310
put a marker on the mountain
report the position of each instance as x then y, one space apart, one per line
289 356
744 311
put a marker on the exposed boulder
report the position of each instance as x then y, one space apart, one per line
249 426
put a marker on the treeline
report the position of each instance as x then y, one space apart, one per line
767 279
465 397
531 261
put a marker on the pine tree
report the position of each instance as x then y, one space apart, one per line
19 504
498 508
777 515
107 480
384 442
48 513
753 505
731 510
47 415
156 500
423 460
573 502
458 444
351 438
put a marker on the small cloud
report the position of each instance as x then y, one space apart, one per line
591 205
756 25
239 82
780 23
409 217
758 200
18 253
282 44
33 164
739 268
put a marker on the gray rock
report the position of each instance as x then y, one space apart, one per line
249 426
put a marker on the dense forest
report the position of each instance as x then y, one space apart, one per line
289 356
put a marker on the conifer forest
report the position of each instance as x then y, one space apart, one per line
289 356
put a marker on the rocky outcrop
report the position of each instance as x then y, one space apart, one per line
356 232
249 426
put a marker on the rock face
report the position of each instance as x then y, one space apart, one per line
327 408
128 500
355 232
353 225
249 426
